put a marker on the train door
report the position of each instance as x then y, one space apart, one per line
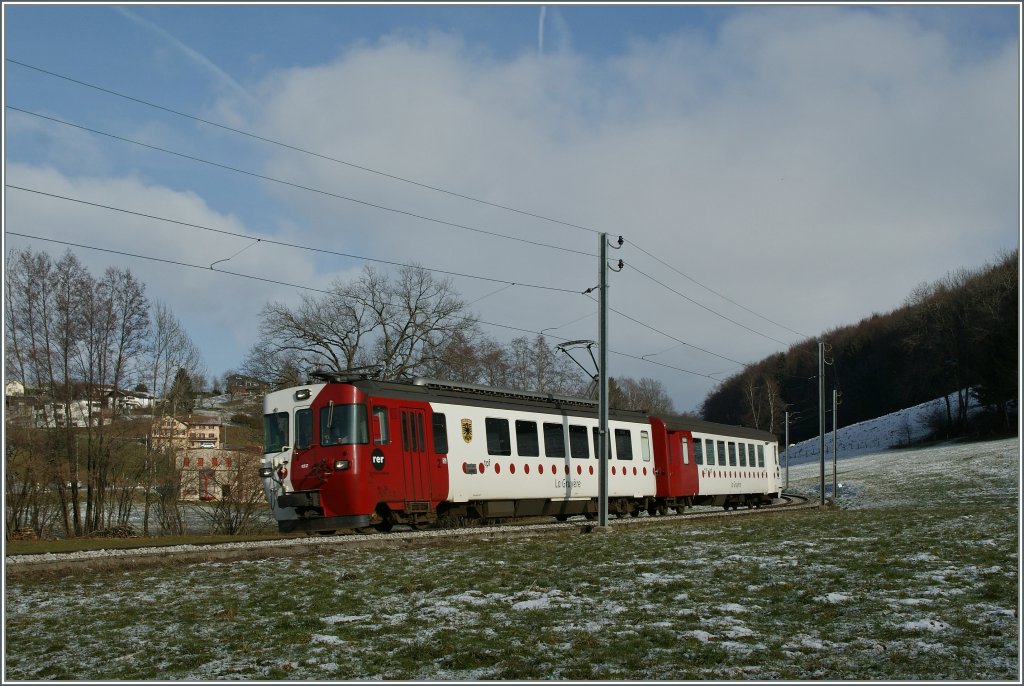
414 455
689 484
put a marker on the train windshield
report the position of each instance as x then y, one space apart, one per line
343 425
275 432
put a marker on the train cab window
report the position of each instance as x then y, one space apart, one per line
342 424
597 445
554 440
275 432
303 429
578 441
645 446
498 440
623 444
685 450
698 452
732 454
439 424
743 455
760 456
382 436
527 441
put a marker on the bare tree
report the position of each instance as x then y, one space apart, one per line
169 349
645 394
397 323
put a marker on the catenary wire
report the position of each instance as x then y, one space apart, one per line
711 290
390 176
668 335
299 186
716 313
318 290
285 244
302 150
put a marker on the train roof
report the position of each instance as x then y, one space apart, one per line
434 390
456 393
678 423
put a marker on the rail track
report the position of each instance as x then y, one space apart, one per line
100 560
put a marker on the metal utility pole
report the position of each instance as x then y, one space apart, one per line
835 441
602 384
787 449
821 416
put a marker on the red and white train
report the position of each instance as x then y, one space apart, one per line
356 453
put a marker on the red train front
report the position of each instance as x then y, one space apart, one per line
338 458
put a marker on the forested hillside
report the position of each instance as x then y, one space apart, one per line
957 333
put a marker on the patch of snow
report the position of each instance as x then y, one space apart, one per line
833 598
932 625
344 619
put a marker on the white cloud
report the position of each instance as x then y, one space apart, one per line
813 164
219 311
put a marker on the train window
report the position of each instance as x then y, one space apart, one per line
382 436
685 450
342 424
498 440
303 429
623 444
709 450
698 452
743 455
721 453
760 456
597 446
578 441
645 446
439 423
419 432
732 454
405 431
527 442
554 440
275 432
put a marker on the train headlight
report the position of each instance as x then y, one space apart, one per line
282 472
341 465
266 472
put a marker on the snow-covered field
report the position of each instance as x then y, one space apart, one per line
915 577
901 428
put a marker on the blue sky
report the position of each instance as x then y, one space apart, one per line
812 164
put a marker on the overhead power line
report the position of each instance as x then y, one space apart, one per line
271 241
395 177
298 185
711 290
315 290
705 307
298 149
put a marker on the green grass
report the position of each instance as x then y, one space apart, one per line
72 545
881 591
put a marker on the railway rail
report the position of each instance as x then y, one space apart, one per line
120 559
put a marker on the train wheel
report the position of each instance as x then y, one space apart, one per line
590 516
653 510
384 526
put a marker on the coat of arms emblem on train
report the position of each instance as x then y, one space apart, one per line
467 430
